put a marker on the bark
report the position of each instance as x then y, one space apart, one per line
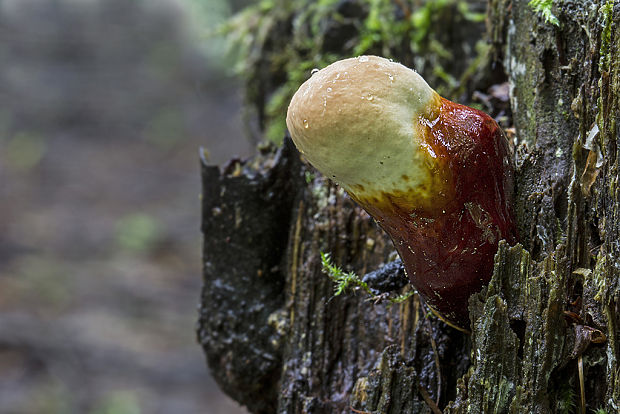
277 340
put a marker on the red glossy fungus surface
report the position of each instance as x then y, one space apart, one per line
448 251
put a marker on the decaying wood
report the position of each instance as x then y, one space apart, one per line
278 341
301 349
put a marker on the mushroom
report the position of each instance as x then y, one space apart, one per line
436 175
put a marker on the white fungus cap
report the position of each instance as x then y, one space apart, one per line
363 122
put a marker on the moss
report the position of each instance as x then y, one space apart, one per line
277 43
344 281
544 8
606 12
599 279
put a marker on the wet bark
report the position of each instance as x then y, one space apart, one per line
276 338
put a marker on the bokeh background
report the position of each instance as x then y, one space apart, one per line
104 105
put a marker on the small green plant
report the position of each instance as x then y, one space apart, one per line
600 411
346 280
309 177
566 400
342 280
402 297
544 8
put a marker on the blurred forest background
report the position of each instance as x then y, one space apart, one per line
103 106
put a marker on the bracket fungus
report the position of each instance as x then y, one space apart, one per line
436 175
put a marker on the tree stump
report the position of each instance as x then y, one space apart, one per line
545 331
